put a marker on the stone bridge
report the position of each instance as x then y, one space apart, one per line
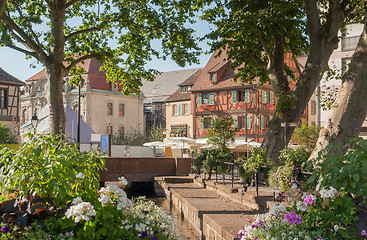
138 169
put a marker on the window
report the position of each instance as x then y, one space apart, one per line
174 109
184 89
121 109
186 108
214 78
206 97
3 98
205 123
109 109
121 130
349 43
264 97
179 130
109 129
345 64
313 107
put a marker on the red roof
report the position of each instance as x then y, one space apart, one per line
97 79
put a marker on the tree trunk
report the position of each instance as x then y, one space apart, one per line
57 114
349 110
55 69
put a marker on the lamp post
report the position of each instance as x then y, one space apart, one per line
78 131
285 125
34 122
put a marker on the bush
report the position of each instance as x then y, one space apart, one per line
255 163
6 136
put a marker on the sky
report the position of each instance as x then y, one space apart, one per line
15 63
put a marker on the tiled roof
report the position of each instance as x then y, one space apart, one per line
178 96
226 80
191 80
6 77
165 84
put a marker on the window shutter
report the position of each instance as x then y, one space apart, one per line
211 99
270 118
248 122
212 121
262 96
235 122
189 108
200 99
262 122
271 97
247 95
201 123
234 96
179 109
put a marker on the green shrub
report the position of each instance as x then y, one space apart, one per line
255 163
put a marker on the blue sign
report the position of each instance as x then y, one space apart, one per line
104 144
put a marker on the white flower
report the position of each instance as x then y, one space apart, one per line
294 186
336 227
77 200
81 211
300 206
123 180
80 175
104 199
274 209
328 193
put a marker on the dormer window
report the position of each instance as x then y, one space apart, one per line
213 78
184 89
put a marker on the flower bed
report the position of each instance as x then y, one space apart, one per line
58 198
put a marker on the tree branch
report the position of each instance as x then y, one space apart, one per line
313 18
71 3
2 5
74 34
77 61
32 45
33 54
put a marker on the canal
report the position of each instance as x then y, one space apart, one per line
184 230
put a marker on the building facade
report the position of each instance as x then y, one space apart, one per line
9 100
179 118
215 94
103 107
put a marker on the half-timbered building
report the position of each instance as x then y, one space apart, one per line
216 94
9 99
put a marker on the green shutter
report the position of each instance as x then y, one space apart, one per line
270 118
211 99
179 109
262 96
235 122
201 123
234 96
248 122
200 99
212 121
262 122
247 95
271 97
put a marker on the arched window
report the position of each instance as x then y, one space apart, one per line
109 109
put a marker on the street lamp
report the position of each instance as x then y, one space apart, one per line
34 121
285 125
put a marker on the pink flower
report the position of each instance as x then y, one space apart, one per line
364 233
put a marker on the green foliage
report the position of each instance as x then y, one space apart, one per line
213 159
221 132
253 164
156 133
306 135
199 160
250 31
285 103
49 167
347 172
132 138
6 136
290 160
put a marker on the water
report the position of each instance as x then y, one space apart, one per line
184 230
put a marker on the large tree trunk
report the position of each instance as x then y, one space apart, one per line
349 110
2 5
55 69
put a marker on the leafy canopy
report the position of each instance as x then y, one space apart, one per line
119 33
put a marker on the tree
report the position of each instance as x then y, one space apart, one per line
6 136
257 35
61 34
156 133
221 132
132 138
348 111
306 135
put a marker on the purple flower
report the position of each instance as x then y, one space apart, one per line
144 234
331 230
319 239
364 233
154 238
145 212
308 200
5 229
292 218
261 224
254 226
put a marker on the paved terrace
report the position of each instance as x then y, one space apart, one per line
217 211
